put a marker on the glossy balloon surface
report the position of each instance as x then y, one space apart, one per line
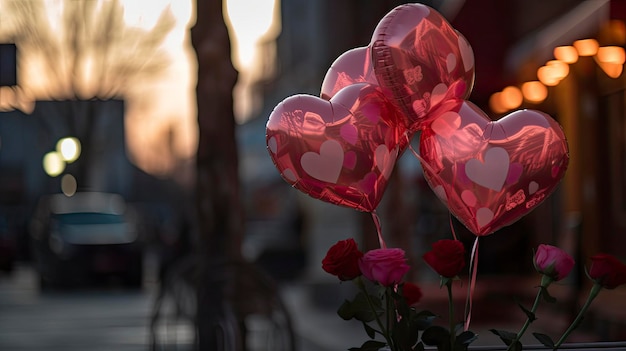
421 61
340 151
353 66
491 173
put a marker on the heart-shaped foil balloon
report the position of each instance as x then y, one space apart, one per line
491 173
353 66
421 60
341 151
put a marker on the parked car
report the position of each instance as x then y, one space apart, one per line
87 235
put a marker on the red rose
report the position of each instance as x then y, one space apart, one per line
553 262
607 271
447 257
385 266
411 293
342 260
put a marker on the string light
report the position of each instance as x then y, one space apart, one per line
547 76
586 47
534 91
611 54
511 97
566 54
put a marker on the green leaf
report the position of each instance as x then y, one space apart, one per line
360 308
504 335
544 339
370 345
531 316
371 332
546 295
423 319
466 338
346 311
435 336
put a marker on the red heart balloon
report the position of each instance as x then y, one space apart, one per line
341 151
491 173
421 60
353 66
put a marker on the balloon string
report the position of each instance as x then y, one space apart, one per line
470 294
381 241
452 227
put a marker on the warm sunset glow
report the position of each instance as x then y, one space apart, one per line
534 91
511 97
252 25
566 54
142 55
547 76
586 47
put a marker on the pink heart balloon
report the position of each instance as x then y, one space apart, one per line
341 151
491 173
421 60
353 66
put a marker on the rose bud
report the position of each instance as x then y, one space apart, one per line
553 262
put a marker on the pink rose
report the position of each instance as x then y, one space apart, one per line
607 271
553 262
342 260
385 266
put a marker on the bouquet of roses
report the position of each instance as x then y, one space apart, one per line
385 303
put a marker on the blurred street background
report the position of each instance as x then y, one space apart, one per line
137 194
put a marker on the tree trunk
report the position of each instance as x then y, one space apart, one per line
217 190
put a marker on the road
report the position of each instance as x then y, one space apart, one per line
103 318
109 318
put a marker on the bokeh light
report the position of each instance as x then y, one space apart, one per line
68 185
511 97
547 76
534 91
69 149
53 164
586 47
567 54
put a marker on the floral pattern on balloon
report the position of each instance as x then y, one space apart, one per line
491 173
341 151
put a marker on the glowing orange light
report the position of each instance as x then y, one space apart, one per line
511 97
586 47
495 103
611 54
559 69
612 70
567 54
534 91
547 76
